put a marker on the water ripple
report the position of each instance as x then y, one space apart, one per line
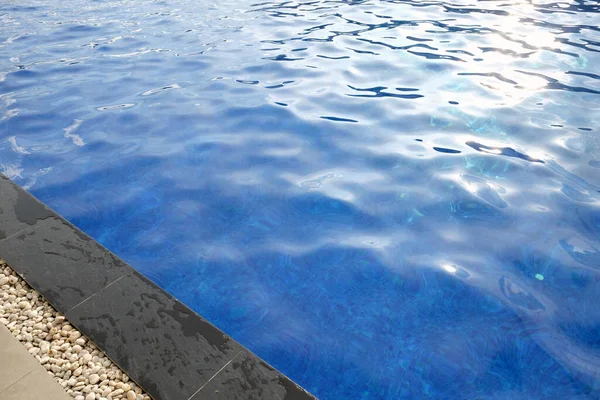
382 198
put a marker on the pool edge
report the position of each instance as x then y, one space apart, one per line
167 348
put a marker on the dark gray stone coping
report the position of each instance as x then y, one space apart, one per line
168 349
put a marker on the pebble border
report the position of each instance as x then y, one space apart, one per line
82 369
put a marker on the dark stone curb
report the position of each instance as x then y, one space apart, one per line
168 349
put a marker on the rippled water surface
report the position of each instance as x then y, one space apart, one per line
383 199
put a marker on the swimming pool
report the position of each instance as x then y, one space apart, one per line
382 199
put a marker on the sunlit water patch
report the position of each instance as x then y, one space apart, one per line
383 199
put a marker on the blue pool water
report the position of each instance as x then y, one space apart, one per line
383 199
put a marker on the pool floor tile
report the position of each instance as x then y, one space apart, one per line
170 351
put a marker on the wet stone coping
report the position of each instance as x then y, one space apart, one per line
168 349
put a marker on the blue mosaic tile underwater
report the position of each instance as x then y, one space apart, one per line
382 199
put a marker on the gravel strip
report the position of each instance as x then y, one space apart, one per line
76 363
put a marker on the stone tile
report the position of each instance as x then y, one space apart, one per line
61 262
18 209
15 361
170 351
247 377
37 385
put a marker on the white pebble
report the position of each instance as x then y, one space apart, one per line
45 347
24 305
79 366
